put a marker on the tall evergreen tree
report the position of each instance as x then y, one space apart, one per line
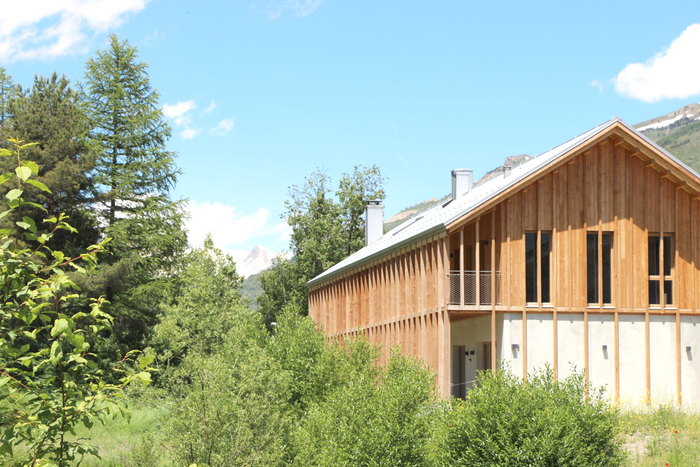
7 87
49 114
133 174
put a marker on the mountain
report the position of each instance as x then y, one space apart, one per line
252 261
677 132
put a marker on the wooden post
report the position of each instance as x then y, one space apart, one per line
477 249
461 267
493 292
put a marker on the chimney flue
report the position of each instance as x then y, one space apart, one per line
462 180
374 221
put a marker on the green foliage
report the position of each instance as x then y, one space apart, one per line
378 417
202 310
48 369
133 174
324 232
315 368
544 422
128 126
7 88
232 412
282 286
49 113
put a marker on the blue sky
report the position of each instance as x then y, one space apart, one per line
262 93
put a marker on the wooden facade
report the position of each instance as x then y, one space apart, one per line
595 214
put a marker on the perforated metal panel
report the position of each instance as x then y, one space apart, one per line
470 288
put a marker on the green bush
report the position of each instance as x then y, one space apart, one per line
504 422
378 417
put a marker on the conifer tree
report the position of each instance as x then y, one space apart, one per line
7 86
133 174
49 114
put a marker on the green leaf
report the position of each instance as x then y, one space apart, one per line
145 361
5 152
144 377
34 205
31 165
30 222
4 381
39 185
56 353
23 173
4 178
14 194
61 326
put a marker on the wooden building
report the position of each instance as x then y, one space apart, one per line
586 255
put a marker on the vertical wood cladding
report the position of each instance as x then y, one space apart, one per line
401 298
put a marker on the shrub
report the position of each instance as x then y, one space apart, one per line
378 417
543 423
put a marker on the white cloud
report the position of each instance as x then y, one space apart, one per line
156 37
223 127
179 112
670 74
189 133
229 227
597 84
211 107
47 29
299 7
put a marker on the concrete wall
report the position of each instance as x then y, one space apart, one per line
472 333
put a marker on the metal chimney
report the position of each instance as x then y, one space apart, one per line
462 181
374 221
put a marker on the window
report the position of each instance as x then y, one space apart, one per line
598 261
657 263
538 256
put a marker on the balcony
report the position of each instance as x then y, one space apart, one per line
470 284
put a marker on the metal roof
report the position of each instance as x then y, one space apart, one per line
437 218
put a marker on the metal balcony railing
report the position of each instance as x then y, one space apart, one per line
470 287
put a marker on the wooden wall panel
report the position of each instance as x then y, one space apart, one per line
529 208
652 195
607 185
638 198
668 202
620 266
684 277
545 203
576 215
591 188
562 239
516 277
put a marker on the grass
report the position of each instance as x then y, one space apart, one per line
653 437
136 443
662 436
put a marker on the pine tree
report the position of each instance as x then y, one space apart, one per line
49 114
7 87
134 173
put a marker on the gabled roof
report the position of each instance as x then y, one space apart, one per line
437 218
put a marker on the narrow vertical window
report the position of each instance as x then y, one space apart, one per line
538 267
531 267
656 278
545 275
592 266
607 268
599 260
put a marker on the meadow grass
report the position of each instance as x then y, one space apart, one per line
135 443
661 436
